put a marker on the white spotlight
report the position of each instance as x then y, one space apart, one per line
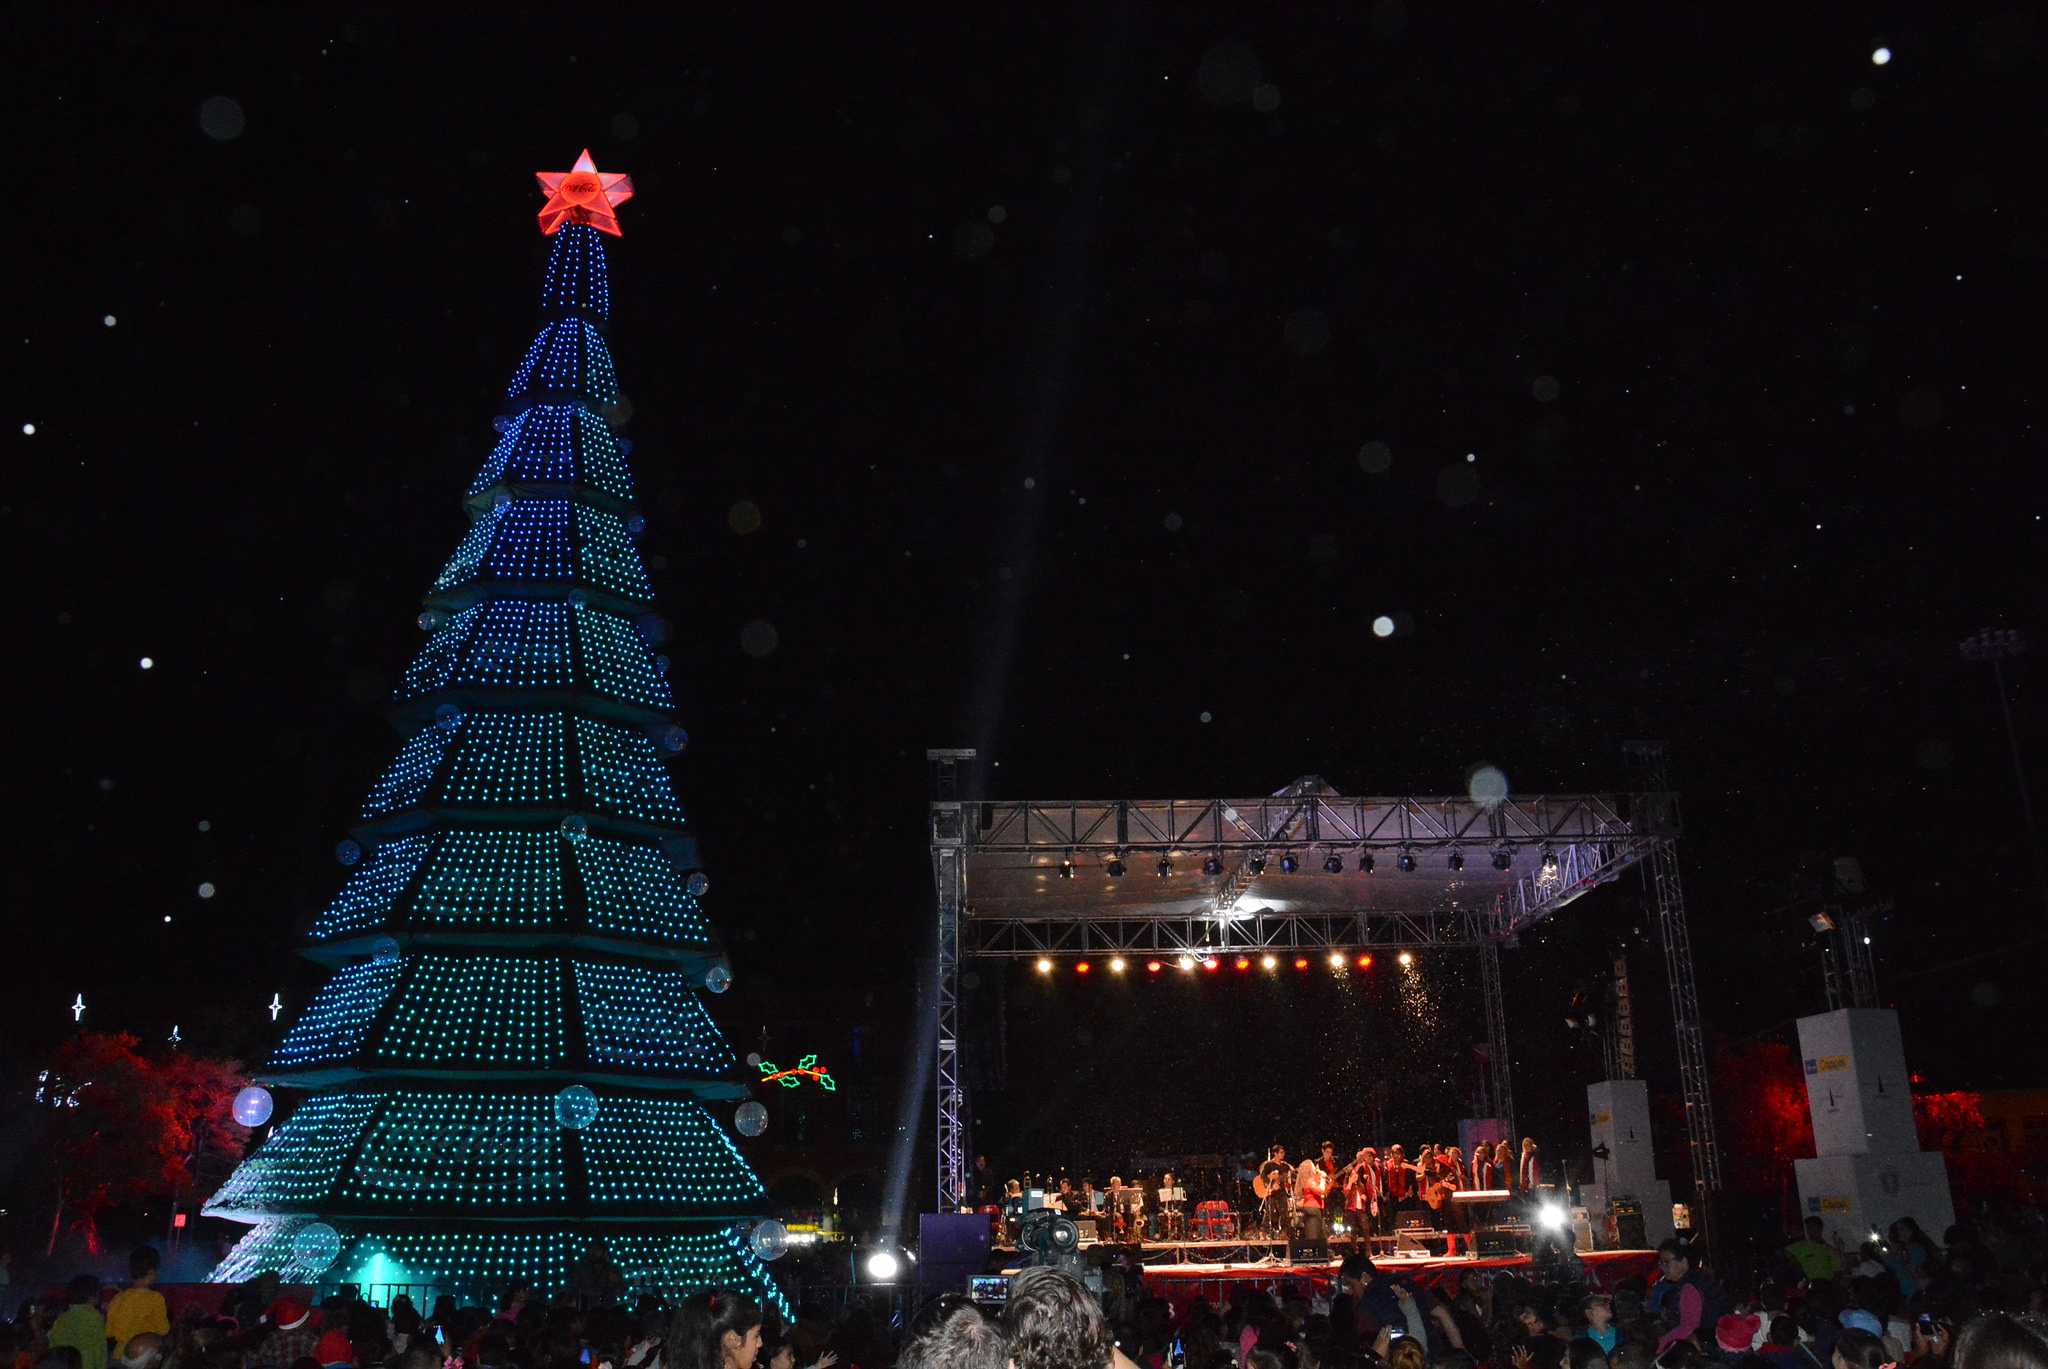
882 1266
1880 57
1553 1217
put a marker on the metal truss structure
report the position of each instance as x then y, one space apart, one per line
1304 869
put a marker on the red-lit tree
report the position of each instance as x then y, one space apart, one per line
1760 1083
116 1127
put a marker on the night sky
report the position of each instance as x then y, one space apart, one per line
1019 367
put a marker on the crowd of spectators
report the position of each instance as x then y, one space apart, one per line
1969 1303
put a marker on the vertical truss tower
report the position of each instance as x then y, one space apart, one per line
511 1066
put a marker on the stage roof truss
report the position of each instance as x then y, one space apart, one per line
1252 933
1108 878
1036 876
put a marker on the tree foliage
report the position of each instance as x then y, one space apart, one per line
118 1127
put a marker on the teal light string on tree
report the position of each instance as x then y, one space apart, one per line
513 1060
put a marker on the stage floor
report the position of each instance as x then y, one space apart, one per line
1181 1282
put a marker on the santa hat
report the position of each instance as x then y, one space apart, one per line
333 1349
287 1314
1736 1334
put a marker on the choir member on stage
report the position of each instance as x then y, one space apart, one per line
1362 1193
1531 1177
1311 1184
1504 1163
1399 1185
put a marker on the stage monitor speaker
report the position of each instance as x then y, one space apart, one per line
1495 1243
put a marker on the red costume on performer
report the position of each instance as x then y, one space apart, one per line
1397 1174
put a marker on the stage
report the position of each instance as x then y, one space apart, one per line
1182 1281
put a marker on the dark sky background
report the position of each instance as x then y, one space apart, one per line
1045 342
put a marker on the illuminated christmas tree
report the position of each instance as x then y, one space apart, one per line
512 1061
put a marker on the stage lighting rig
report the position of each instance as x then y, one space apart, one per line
1116 966
1407 862
1333 864
1067 868
1288 864
1116 867
1365 862
1165 867
1457 861
1503 858
1255 863
1212 867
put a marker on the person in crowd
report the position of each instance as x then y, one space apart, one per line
1699 1300
1996 1341
1735 1334
138 1308
83 1327
1400 1306
1586 1354
1857 1348
1596 1310
1781 1343
958 1337
716 1330
291 1336
1818 1261
1052 1321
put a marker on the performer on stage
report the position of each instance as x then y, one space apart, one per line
1311 1185
1275 1178
1400 1182
1482 1165
1091 1201
1504 1164
1531 1176
1362 1193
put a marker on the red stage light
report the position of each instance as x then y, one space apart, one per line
1301 964
1365 962
1152 966
1243 964
1210 963
1081 968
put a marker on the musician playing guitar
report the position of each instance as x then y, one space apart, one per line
1272 1185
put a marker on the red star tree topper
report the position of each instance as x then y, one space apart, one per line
583 195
